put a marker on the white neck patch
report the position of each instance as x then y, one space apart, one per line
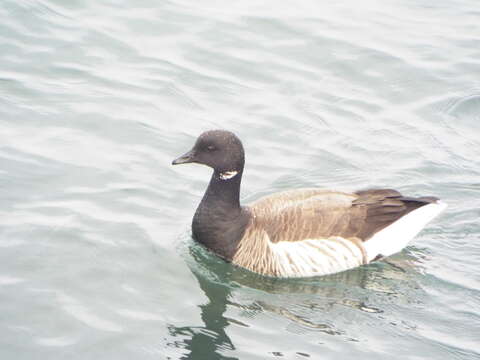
228 175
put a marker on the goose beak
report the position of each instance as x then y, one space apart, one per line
184 159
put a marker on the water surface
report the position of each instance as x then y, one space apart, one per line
97 98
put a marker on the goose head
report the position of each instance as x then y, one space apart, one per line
219 149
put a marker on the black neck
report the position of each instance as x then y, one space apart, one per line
224 193
220 221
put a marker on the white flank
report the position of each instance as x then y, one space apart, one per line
316 256
228 174
396 236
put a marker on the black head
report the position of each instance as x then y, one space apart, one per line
219 149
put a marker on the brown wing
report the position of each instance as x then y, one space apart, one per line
310 213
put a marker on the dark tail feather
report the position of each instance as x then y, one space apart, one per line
423 199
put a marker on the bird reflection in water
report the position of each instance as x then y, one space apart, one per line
284 297
210 340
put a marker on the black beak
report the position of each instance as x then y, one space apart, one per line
184 159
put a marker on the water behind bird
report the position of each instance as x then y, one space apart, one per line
97 99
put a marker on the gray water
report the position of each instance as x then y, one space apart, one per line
97 98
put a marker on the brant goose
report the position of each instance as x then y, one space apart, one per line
298 233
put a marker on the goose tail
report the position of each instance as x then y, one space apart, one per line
397 235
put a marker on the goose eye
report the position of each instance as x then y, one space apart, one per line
211 148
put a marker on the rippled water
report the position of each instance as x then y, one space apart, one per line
97 98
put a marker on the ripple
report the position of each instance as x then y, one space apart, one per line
140 315
466 108
9 280
56 341
85 315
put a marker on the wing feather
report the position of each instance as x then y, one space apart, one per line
302 214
